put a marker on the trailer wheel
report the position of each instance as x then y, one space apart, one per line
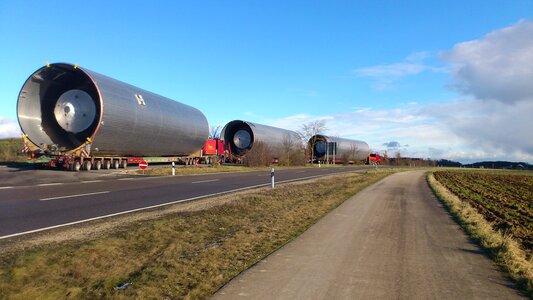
124 164
87 165
115 164
107 164
76 166
97 165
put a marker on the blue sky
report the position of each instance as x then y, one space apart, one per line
375 71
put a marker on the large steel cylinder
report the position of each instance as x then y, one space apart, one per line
328 146
62 105
241 136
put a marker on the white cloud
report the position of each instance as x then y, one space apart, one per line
250 114
491 127
9 128
392 71
493 122
497 71
498 66
464 130
386 75
295 122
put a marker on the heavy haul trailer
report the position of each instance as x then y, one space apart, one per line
77 118
76 162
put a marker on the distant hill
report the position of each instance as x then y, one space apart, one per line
501 165
448 163
487 165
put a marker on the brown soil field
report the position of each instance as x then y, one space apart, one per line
504 199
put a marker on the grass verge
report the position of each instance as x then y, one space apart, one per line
504 250
182 170
10 150
165 171
188 254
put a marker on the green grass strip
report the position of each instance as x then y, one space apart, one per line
179 255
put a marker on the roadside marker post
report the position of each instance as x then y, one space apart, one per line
173 169
272 177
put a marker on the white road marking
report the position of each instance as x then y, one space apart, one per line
153 206
145 177
156 177
91 181
74 196
203 181
5 187
49 184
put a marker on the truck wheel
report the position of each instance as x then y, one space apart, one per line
87 165
124 164
76 166
97 165
115 164
107 164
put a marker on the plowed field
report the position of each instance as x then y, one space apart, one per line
505 200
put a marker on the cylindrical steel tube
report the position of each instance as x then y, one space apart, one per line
63 105
241 136
326 145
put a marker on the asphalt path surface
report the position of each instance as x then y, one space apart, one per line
40 206
392 240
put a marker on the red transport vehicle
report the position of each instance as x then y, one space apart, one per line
374 159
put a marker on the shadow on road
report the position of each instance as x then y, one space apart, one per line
16 166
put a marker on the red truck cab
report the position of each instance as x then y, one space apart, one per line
374 158
214 147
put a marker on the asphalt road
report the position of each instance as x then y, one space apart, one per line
392 240
67 197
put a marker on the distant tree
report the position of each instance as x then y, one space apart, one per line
385 158
214 133
398 158
259 155
10 150
290 145
298 157
308 131
448 163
